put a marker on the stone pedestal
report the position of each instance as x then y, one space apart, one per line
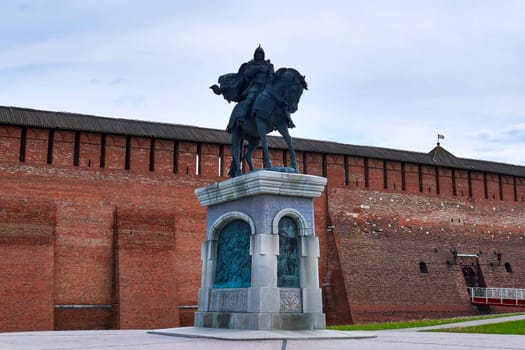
259 260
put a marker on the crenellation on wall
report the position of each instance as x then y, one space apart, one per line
394 176
445 181
63 148
355 172
139 155
314 163
187 155
209 161
10 144
163 157
507 188
462 185
335 171
429 180
36 146
489 186
376 173
412 178
347 170
89 150
115 152
478 187
520 190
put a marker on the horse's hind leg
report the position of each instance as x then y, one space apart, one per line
253 143
235 167
261 130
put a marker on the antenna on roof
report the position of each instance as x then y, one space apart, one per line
440 137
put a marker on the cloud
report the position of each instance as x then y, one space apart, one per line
509 134
381 73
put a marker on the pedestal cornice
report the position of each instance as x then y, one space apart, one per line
261 182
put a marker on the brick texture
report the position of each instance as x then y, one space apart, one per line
26 264
385 236
108 234
146 288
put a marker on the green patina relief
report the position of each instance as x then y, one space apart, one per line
234 263
288 259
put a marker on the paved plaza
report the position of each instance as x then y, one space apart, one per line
222 339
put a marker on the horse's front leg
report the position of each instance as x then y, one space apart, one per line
283 130
261 130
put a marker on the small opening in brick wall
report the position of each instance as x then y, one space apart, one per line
50 142
508 268
23 138
76 149
423 267
102 162
128 153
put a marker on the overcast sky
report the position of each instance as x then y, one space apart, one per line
381 73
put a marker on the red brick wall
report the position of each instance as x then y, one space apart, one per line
79 260
357 173
26 264
115 152
63 147
385 238
92 272
85 318
9 144
36 141
412 178
147 295
83 258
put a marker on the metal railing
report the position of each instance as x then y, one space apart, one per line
497 296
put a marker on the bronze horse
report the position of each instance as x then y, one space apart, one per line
270 111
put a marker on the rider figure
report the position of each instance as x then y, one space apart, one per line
247 83
257 73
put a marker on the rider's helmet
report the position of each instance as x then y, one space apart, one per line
258 54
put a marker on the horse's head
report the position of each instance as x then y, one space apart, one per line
292 85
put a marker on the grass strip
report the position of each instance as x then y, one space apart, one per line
511 327
413 324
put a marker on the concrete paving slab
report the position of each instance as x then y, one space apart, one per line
243 334
142 340
409 339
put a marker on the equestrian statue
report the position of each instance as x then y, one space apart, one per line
265 100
